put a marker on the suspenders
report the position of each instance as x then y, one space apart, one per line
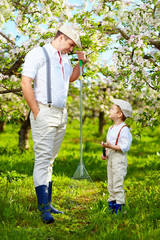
119 133
48 73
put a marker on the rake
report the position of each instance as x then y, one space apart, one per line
81 172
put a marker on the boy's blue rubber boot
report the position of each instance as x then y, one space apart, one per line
43 206
119 207
52 209
112 206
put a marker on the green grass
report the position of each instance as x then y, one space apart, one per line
84 203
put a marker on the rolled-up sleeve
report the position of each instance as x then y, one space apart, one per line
125 139
32 62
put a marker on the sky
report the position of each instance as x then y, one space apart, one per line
10 28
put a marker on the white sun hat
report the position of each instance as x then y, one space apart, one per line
125 107
70 32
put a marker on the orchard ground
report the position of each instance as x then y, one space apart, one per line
84 202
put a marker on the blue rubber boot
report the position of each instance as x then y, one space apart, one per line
112 206
43 206
52 209
119 207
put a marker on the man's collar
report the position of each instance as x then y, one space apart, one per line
52 48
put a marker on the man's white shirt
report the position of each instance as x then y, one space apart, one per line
35 68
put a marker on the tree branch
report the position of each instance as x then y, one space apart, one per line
156 43
123 34
150 59
14 67
132 54
115 30
37 11
7 38
154 10
155 89
17 90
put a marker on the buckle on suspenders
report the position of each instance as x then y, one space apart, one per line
49 105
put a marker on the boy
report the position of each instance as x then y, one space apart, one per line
118 143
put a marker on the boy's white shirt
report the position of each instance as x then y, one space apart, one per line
125 137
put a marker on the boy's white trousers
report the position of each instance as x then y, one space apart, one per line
116 171
48 131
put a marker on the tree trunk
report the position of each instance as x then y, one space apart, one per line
93 113
101 122
2 124
24 134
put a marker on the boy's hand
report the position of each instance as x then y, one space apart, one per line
103 158
108 144
103 144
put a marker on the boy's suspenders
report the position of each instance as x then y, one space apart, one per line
119 133
48 75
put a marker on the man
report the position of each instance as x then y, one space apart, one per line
49 117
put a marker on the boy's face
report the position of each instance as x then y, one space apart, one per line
115 112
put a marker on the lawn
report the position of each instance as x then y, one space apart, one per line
84 202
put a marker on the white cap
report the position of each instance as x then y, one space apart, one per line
125 107
70 32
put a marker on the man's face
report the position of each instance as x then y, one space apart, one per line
66 45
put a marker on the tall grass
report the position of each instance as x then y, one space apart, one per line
84 203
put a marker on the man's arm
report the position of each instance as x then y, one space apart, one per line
76 70
29 95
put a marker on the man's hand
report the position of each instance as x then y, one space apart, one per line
36 113
81 56
76 70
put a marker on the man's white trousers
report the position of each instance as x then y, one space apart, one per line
48 131
116 171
